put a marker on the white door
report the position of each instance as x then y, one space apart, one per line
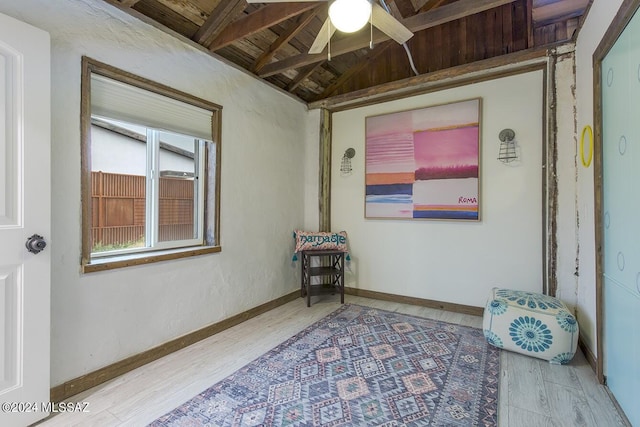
25 202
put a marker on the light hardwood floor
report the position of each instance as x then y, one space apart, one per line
532 392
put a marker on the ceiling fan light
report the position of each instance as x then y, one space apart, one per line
349 16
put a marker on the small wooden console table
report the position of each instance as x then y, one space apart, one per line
330 266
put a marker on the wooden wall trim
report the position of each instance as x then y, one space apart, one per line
550 181
92 379
148 258
85 160
93 66
598 216
324 190
448 306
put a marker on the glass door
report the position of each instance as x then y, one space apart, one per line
621 222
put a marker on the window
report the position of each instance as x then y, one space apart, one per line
150 165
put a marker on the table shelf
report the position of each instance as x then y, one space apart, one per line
330 266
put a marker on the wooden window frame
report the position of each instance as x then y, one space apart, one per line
211 230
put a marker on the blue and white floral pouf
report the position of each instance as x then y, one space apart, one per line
530 323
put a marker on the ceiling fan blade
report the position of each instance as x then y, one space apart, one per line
282 1
323 37
389 25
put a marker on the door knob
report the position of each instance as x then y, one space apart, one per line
35 244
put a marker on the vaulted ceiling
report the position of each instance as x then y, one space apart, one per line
272 40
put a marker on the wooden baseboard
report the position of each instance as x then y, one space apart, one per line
92 379
448 306
588 354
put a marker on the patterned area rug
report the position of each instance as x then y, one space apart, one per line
358 366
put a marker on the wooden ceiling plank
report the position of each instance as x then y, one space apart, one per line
259 20
422 21
519 26
220 17
128 3
159 12
427 5
450 12
187 9
530 37
364 62
284 38
507 30
303 74
405 7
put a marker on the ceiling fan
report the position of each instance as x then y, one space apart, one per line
351 15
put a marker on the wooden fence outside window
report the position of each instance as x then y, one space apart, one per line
119 209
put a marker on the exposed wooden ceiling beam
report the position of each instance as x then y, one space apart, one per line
363 63
422 21
300 22
220 17
259 20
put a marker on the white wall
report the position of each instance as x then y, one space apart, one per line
600 16
446 260
100 318
566 223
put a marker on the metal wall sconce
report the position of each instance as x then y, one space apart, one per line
345 166
507 152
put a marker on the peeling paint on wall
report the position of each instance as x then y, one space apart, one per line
566 172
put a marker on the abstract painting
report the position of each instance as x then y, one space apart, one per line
424 163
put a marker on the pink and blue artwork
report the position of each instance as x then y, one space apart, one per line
424 163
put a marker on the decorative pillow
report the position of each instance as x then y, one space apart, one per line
320 241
